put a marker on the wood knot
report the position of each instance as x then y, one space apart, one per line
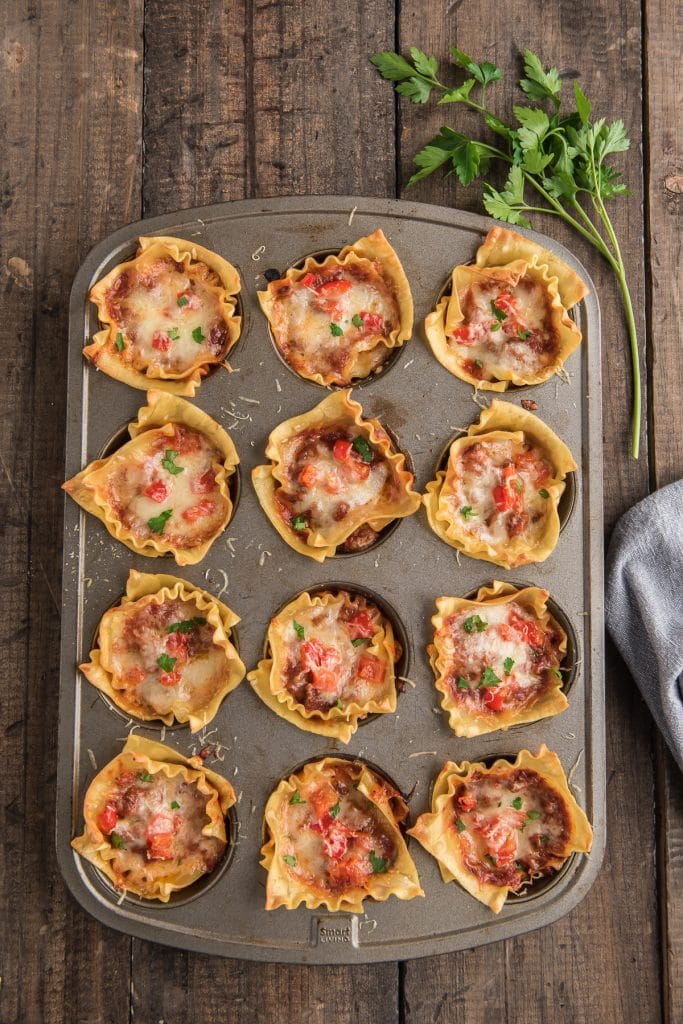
674 183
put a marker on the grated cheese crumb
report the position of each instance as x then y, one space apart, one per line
352 215
251 401
423 753
225 583
410 682
409 363
277 385
258 253
93 762
262 558
572 770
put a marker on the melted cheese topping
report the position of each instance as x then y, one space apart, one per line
510 825
494 491
505 330
314 327
150 835
336 839
508 641
140 638
168 316
321 668
141 489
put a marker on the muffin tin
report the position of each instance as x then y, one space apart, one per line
255 573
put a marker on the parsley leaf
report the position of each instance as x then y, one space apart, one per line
475 624
157 523
296 798
379 865
339 704
467 158
467 512
483 73
120 343
357 320
359 641
187 625
544 493
166 663
174 334
299 630
540 84
197 335
334 811
175 805
488 678
517 803
363 448
144 776
522 335
288 858
117 841
168 462
462 683
336 330
460 825
392 66
299 523
556 672
182 300
507 665
499 314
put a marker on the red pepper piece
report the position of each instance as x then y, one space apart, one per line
157 491
342 450
195 512
107 819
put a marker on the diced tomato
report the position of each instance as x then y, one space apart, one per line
371 668
500 834
526 630
332 483
506 303
494 697
159 824
359 470
161 341
195 512
471 366
157 491
308 280
333 289
467 802
342 450
463 335
502 498
361 625
192 300
203 484
335 836
170 678
528 462
350 872
372 322
134 675
176 646
107 819
322 799
308 475
323 663
160 847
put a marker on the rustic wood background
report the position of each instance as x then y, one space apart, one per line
117 110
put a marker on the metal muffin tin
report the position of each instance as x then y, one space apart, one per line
256 573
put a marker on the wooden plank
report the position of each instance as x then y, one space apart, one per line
267 94
70 136
664 96
604 960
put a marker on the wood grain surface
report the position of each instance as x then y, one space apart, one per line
113 111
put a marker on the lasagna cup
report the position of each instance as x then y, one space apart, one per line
155 820
495 830
330 663
165 652
505 320
333 839
334 481
168 316
497 497
338 321
497 658
167 490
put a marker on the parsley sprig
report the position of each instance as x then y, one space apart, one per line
560 155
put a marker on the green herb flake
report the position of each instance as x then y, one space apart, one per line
299 630
339 704
157 523
519 486
545 839
489 678
507 665
557 672
530 816
166 663
336 331
491 860
544 493
362 447
478 362
467 512
460 825
296 798
462 683
494 327
475 624
359 641
334 811
499 314
299 523
290 859
198 336
144 777
379 865
174 334
168 462
183 301
357 320
187 625
522 335
120 343
117 841
517 803
175 806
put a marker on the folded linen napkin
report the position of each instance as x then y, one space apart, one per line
644 605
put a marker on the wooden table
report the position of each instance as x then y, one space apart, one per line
117 110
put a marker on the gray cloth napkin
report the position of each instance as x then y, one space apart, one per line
644 605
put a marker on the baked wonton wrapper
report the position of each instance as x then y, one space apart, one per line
308 345
205 278
479 714
153 436
196 847
534 831
293 639
508 424
339 416
538 341
205 677
317 855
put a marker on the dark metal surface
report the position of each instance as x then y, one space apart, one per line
424 405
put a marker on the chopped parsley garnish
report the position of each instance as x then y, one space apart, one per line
336 331
489 678
494 327
467 512
530 816
379 865
545 839
462 683
120 343
544 493
144 777
478 362
556 672
491 860
517 803
475 624
357 320
289 859
299 523
361 446
183 301
166 663
499 314
174 334
522 335
334 811
299 630
339 704
296 798
197 335
117 841
168 462
187 625
519 486
157 523
507 665
358 641
174 805
460 825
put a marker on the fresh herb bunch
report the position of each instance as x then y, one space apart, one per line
561 156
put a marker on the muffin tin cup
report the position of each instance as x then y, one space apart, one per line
255 572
